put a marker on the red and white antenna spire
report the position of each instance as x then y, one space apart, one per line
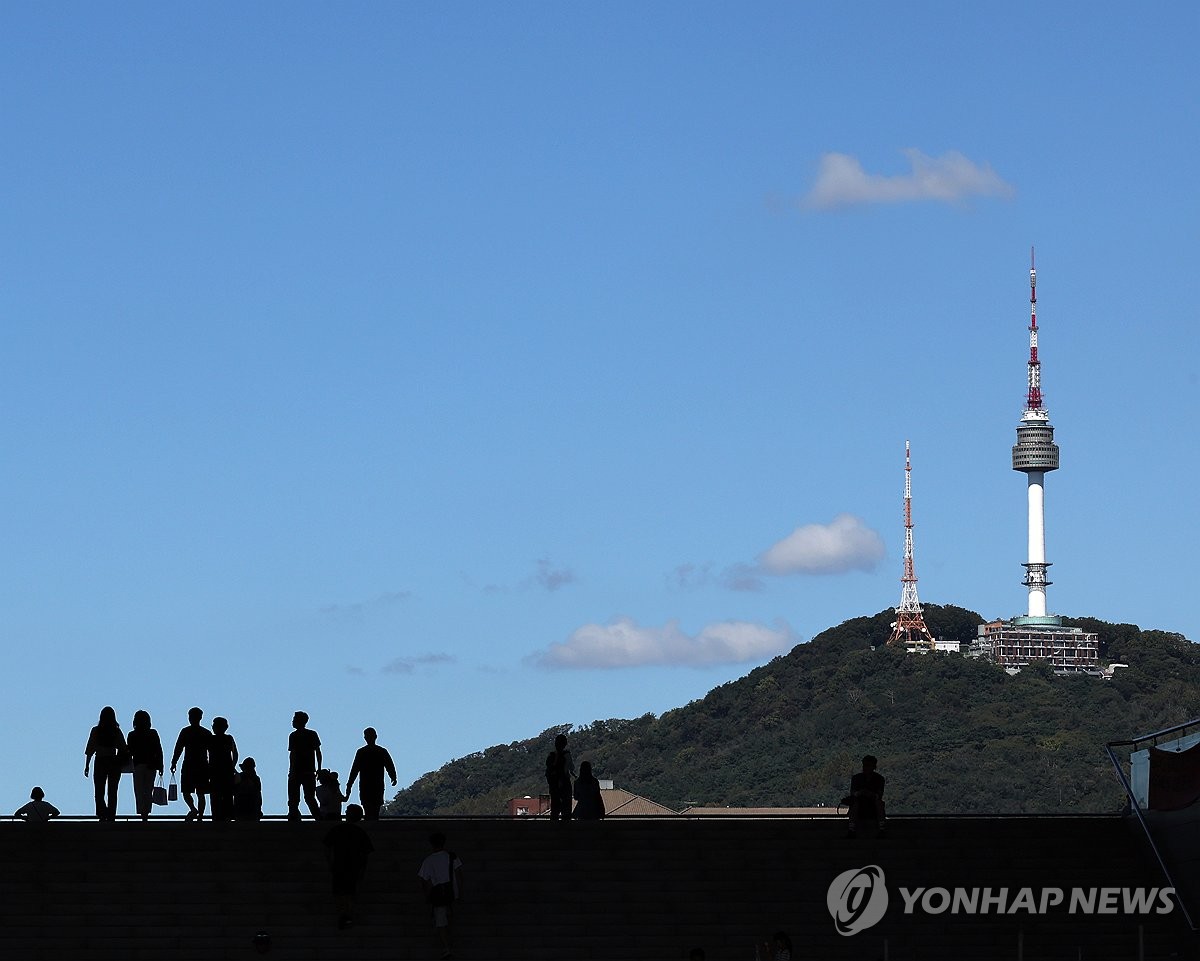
909 627
1033 400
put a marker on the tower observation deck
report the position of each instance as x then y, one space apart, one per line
1034 454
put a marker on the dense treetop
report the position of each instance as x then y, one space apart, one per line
953 734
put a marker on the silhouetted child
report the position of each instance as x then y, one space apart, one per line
304 760
247 793
38 808
329 796
347 847
441 881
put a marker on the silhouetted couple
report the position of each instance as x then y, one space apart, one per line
209 766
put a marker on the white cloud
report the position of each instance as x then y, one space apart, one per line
842 182
845 544
623 643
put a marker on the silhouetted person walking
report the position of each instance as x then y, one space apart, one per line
107 745
193 743
222 769
866 796
370 763
589 802
38 808
347 847
146 750
247 793
559 771
441 881
304 760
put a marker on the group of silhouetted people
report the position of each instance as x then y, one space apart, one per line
211 772
565 786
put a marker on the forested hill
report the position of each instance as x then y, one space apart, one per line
953 734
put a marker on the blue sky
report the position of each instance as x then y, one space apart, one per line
464 371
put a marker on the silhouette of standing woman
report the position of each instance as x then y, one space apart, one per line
107 744
146 748
222 770
559 771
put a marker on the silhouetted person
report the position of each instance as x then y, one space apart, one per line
193 743
370 763
329 796
866 796
222 769
779 948
247 793
38 808
147 753
559 771
304 759
347 847
441 882
107 744
589 804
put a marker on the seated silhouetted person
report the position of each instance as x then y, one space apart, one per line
866 796
247 793
38 808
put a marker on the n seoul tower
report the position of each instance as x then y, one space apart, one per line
1034 454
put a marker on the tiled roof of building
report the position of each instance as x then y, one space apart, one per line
724 812
620 803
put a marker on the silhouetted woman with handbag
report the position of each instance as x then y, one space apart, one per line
146 750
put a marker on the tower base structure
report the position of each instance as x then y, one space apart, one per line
1027 640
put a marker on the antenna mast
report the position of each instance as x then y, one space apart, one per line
1033 399
909 627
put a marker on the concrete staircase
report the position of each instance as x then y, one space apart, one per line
626 889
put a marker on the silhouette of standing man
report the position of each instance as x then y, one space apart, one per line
369 764
193 743
304 753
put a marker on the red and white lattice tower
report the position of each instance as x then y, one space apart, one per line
909 627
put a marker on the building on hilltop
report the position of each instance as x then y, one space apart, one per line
1023 640
1037 636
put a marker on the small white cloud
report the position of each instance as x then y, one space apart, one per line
842 182
845 544
623 643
